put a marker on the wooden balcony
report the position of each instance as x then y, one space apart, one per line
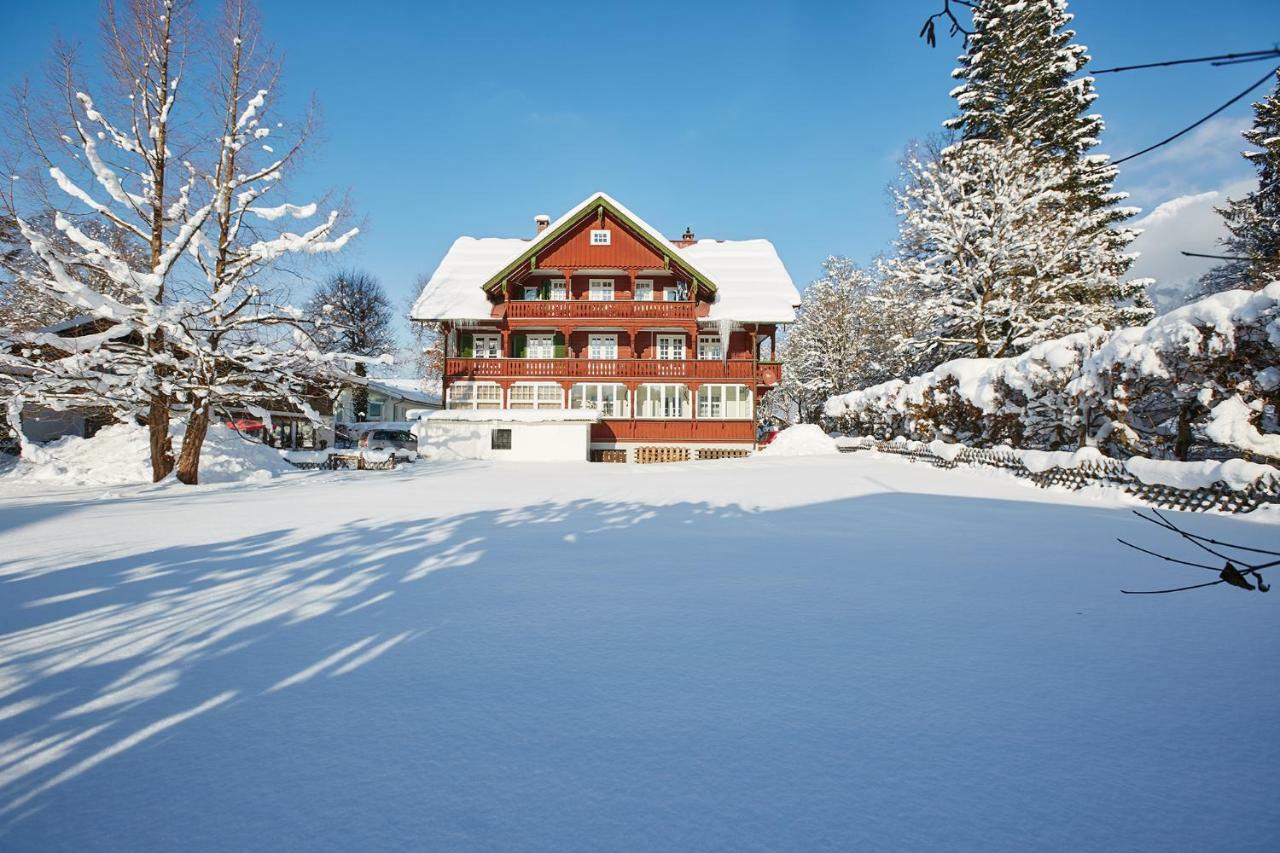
622 368
622 309
674 430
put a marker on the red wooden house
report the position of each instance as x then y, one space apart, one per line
670 340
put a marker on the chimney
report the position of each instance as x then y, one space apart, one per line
541 221
686 239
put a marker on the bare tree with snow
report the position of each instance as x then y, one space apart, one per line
186 324
847 334
358 321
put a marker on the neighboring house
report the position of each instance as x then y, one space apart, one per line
289 428
599 311
389 400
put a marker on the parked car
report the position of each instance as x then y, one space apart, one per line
388 439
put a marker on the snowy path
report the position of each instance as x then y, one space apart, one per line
821 653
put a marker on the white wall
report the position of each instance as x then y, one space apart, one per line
530 442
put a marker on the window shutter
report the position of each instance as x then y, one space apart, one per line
520 343
558 339
468 345
544 290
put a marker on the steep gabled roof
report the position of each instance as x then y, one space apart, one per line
584 210
747 276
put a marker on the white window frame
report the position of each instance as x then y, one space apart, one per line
669 347
530 293
546 341
672 400
602 346
475 395
601 237
644 290
611 399
492 348
540 395
372 415
559 290
669 294
710 347
600 290
729 402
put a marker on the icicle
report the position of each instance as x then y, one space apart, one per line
725 326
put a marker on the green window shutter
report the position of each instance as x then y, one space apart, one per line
544 290
468 345
559 343
521 345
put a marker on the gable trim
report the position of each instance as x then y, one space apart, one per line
601 204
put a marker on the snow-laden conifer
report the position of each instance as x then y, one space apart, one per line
1253 221
1021 81
996 263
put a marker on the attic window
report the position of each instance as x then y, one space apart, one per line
600 236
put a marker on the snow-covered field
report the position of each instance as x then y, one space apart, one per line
804 653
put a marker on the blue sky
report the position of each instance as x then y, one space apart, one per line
739 119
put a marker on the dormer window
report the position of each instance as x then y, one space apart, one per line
601 236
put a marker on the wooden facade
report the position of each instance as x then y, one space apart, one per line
618 324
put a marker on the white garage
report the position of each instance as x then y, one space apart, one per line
543 435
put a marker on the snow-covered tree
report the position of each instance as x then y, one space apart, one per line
847 334
24 304
358 315
1020 82
225 356
426 348
995 265
126 174
1253 222
177 312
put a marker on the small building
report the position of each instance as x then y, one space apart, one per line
389 400
546 435
670 341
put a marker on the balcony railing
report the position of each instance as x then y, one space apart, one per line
603 368
622 309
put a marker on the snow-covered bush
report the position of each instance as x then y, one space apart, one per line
1199 381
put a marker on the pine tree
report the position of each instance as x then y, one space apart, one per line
1253 222
1021 84
993 265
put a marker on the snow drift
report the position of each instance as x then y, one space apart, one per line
120 455
801 440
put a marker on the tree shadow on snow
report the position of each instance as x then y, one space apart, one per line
456 654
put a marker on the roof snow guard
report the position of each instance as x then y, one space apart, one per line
747 277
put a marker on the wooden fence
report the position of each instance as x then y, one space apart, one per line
1104 472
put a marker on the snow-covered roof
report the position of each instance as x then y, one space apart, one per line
754 285
405 389
750 281
524 416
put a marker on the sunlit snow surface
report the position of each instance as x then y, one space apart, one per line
822 653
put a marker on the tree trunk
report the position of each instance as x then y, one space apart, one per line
360 396
158 432
1182 444
192 442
